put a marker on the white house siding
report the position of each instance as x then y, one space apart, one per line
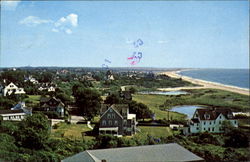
8 90
14 117
195 128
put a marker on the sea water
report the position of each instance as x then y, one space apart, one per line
232 77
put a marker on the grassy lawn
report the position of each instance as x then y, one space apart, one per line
73 131
33 98
153 102
156 131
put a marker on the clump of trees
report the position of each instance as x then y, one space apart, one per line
29 140
87 100
141 110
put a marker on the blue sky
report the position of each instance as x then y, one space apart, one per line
189 34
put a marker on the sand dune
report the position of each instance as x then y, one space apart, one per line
203 84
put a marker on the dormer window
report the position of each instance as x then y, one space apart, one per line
206 116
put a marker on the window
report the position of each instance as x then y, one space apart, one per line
108 116
125 122
206 116
197 128
204 128
104 122
208 129
210 123
212 129
113 115
116 122
235 122
204 123
110 110
219 122
220 117
110 122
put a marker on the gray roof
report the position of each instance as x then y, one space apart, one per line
11 111
163 152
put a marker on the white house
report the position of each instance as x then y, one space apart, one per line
13 115
31 79
12 88
51 89
210 120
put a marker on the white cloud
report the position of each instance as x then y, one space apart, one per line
162 42
34 21
129 41
66 23
68 31
55 30
9 5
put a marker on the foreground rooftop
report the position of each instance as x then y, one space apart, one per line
163 152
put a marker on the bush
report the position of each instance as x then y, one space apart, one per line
236 138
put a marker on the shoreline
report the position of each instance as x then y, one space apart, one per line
204 84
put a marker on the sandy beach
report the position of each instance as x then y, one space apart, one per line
203 84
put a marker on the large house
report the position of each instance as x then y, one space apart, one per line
116 120
210 120
148 153
52 104
11 88
17 113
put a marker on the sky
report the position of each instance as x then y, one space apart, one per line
173 34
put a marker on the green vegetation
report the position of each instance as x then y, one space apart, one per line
155 131
72 131
29 140
212 97
153 102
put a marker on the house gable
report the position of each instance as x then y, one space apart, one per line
111 109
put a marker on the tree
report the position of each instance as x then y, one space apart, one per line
34 131
132 90
64 98
236 138
88 102
112 99
141 110
227 126
6 103
79 85
46 77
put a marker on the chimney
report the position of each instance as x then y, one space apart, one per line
103 160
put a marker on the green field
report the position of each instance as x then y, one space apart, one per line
155 131
33 98
72 131
153 102
214 97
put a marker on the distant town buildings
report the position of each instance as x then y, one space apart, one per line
116 120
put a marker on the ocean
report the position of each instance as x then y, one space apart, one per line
232 77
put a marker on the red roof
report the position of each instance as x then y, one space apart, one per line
213 113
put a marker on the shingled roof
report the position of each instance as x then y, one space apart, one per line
118 107
164 152
11 111
214 113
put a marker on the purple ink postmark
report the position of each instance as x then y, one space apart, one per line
105 65
136 57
